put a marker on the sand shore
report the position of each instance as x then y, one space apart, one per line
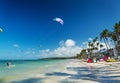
76 71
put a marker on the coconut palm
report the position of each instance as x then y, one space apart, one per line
95 40
101 46
96 44
117 34
89 44
113 37
89 50
117 30
82 54
104 35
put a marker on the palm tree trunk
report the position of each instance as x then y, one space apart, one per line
117 38
115 50
106 44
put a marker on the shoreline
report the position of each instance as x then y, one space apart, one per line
76 71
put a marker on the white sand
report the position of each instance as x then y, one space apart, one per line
75 71
82 72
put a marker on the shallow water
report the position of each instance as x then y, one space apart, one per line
25 69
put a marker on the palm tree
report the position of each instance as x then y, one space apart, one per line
83 54
89 44
94 40
89 49
92 46
96 44
104 35
101 46
113 37
117 30
79 56
117 34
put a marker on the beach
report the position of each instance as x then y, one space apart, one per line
82 72
73 71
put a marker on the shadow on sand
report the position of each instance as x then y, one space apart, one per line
30 80
84 73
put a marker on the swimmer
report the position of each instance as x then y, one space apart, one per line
8 64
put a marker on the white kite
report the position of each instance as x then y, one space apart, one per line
59 20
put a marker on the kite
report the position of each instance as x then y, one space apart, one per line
1 30
58 20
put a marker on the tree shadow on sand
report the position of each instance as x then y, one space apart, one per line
85 73
58 74
82 73
30 80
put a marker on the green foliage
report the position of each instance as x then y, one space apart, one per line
101 45
104 35
82 55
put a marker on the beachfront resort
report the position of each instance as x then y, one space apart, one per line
96 51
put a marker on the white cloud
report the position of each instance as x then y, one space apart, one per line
70 43
67 51
90 39
67 48
61 52
16 45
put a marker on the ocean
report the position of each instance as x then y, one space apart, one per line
23 69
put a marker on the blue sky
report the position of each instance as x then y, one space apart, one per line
30 32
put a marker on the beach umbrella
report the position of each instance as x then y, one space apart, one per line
1 30
59 20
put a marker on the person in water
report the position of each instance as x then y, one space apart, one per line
8 64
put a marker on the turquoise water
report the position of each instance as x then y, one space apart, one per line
24 69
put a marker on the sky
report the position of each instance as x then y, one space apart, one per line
29 31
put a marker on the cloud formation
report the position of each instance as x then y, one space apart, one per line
70 43
67 48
